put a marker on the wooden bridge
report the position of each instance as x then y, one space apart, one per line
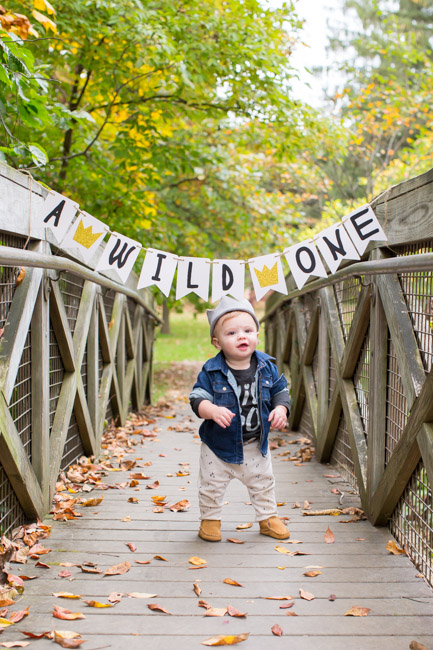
358 348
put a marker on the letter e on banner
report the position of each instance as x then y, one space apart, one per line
304 261
363 227
228 277
158 269
335 245
119 256
193 275
56 214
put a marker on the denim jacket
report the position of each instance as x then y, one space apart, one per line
216 383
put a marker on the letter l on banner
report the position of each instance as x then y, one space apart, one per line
193 277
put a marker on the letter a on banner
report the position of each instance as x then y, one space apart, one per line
56 214
158 268
267 273
193 277
119 256
304 260
363 227
228 277
335 245
84 237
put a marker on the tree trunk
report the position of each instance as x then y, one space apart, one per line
165 329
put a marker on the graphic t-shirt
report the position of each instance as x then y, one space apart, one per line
247 394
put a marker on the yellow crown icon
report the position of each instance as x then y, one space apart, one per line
267 277
85 236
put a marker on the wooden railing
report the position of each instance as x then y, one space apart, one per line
75 351
358 350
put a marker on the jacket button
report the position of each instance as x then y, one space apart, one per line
224 388
267 382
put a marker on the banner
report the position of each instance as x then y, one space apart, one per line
228 277
267 273
363 227
84 237
119 256
56 214
193 275
158 269
335 246
304 261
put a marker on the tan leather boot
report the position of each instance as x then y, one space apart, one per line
210 530
274 527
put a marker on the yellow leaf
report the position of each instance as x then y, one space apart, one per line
393 548
197 561
4 622
65 594
45 21
44 5
226 640
94 603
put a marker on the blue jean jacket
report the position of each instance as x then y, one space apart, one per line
216 383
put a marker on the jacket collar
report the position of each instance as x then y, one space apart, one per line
219 363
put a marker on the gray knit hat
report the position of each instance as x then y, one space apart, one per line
227 305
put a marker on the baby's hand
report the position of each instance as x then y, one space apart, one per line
222 416
278 417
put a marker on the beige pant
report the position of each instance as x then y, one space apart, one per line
255 473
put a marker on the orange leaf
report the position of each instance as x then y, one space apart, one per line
232 611
216 611
132 547
115 597
66 594
94 603
158 608
203 603
278 597
226 640
277 630
197 561
243 526
197 589
233 540
158 509
133 500
136 594
66 614
92 502
329 536
118 569
152 486
15 617
180 506
159 557
306 595
358 611
312 574
229 581
15 644
394 549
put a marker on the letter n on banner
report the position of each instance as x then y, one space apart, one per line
363 227
158 268
304 260
119 256
193 275
228 277
335 245
56 214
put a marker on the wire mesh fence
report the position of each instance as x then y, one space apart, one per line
347 294
396 404
71 288
361 380
342 455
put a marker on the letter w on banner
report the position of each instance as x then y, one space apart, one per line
267 273
158 268
56 214
228 277
335 245
119 256
363 227
304 260
193 277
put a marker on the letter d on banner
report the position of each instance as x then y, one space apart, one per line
228 277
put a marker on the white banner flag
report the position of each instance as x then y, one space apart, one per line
363 227
193 275
267 273
56 214
119 256
158 268
84 237
335 245
304 260
228 277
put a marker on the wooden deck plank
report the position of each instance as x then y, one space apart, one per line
357 568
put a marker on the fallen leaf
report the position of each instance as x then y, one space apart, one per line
307 505
115 597
282 549
134 483
142 561
232 611
226 640
133 500
42 565
158 498
90 569
332 475
66 614
394 549
278 597
291 614
180 506
153 486
126 519
233 540
93 502
277 630
197 589
329 536
136 594
358 611
243 526
95 603
204 603
5 623
17 616
65 574
312 574
296 505
118 569
157 608
158 509
66 642
306 595
416 645
197 561
159 557
229 581
132 547
15 644
287 605
66 594
332 597
216 611
329 511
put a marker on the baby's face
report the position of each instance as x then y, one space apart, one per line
237 337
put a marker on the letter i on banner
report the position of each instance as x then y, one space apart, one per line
267 273
193 275
84 237
56 214
363 227
304 261
228 277
119 256
158 269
